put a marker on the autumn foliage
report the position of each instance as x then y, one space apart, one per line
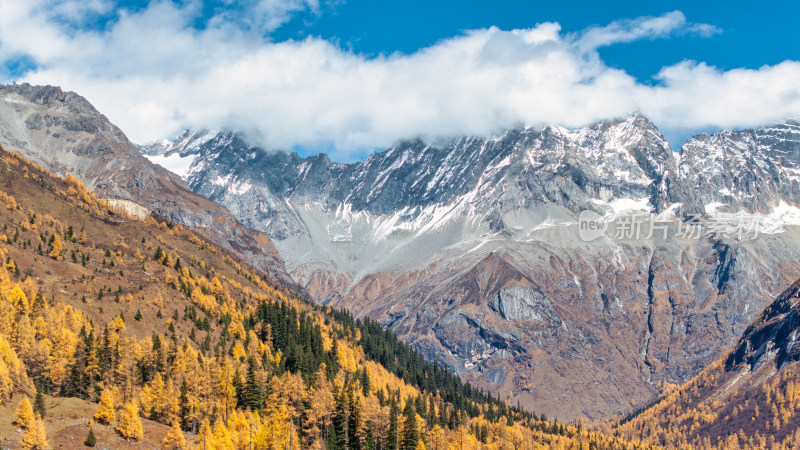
218 352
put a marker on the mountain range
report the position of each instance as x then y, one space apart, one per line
470 248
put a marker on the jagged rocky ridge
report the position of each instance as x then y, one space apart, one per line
470 248
65 134
771 338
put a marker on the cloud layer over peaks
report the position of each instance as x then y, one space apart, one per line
154 72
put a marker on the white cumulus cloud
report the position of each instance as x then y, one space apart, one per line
153 73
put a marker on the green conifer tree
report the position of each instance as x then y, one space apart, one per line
410 429
391 439
38 403
90 441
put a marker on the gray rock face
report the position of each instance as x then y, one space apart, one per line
516 302
470 248
751 170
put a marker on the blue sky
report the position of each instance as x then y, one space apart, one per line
352 76
752 35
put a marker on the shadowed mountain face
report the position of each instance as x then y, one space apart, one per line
772 338
64 133
471 248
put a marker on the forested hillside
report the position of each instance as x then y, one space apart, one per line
115 330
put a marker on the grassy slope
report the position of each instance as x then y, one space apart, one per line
67 426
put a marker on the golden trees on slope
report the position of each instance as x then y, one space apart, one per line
321 407
13 376
55 248
259 342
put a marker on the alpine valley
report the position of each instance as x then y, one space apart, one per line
123 329
470 249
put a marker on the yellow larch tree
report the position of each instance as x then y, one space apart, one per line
18 299
35 436
130 426
322 405
240 430
13 376
105 409
205 437
55 251
436 438
23 417
6 383
174 440
155 400
289 390
277 430
225 390
222 437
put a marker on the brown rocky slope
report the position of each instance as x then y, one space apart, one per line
747 399
64 133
